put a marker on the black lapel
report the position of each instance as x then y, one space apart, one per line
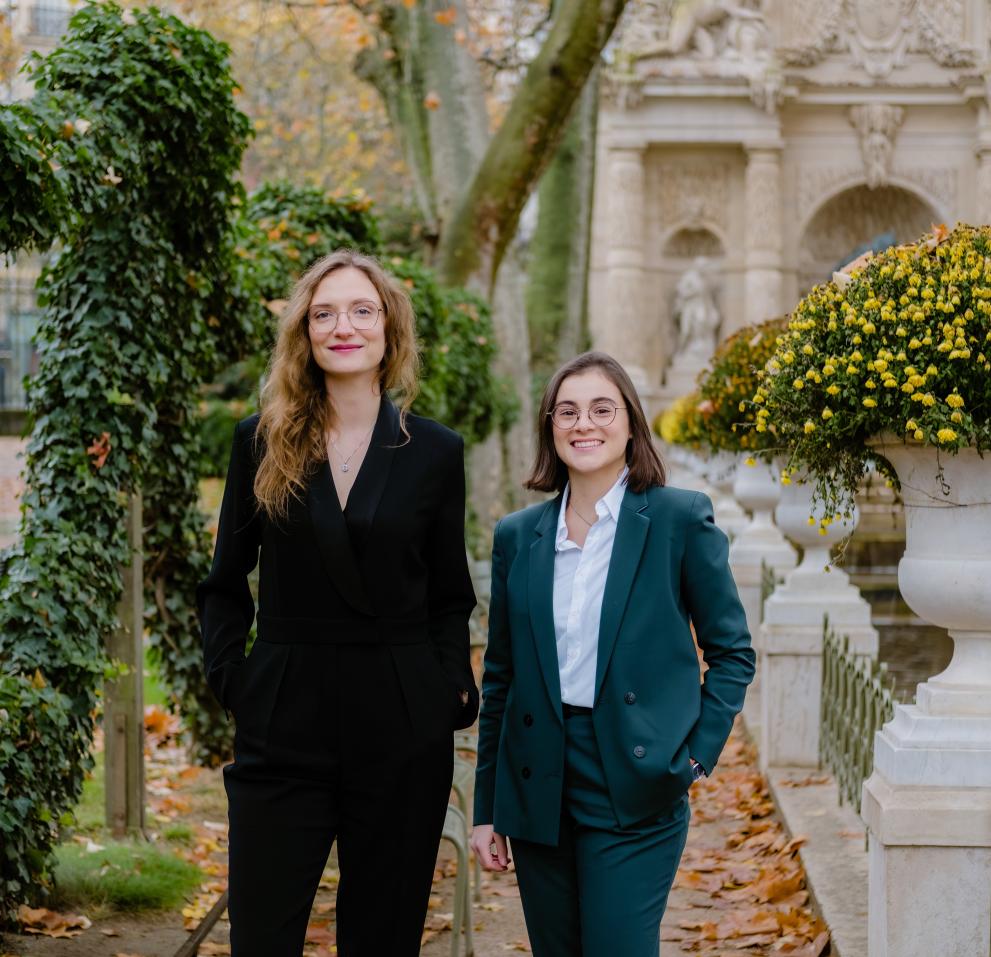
369 484
328 520
540 597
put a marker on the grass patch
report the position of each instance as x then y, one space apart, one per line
123 877
178 834
91 815
152 690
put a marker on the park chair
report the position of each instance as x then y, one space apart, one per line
456 831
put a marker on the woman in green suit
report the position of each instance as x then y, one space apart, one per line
595 720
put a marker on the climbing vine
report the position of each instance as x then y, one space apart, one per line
111 163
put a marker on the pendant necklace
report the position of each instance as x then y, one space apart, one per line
579 514
345 462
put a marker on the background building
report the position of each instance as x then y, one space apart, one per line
753 147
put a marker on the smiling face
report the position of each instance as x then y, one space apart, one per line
589 449
344 351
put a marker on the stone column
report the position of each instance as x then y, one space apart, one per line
983 198
625 308
764 244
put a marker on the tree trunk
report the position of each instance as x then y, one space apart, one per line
474 242
556 304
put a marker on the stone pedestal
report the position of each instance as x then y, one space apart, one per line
757 488
928 802
790 648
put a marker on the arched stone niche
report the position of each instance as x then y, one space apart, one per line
683 249
851 220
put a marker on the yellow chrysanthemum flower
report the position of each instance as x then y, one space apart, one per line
870 403
946 435
810 426
827 413
919 435
954 401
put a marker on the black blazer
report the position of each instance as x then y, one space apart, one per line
390 569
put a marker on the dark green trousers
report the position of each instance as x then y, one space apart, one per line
602 890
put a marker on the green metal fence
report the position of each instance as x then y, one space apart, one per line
769 580
858 697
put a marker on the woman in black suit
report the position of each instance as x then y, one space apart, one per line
345 707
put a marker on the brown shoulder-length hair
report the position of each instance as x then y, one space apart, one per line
296 408
549 473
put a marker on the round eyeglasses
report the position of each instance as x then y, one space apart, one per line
566 415
362 315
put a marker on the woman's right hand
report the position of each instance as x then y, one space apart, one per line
490 848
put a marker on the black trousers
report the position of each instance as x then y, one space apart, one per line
326 749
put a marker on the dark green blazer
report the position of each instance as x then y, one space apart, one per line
668 571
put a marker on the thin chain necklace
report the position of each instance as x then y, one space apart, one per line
579 514
345 462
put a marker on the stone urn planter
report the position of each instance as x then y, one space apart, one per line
945 574
757 487
928 803
721 472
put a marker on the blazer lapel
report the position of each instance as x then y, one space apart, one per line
631 534
371 480
329 523
540 598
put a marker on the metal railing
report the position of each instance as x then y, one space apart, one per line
769 580
858 697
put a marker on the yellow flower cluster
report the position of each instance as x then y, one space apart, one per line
730 420
904 346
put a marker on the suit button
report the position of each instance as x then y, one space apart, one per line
528 719
525 772
639 751
630 697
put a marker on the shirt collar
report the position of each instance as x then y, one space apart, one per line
609 504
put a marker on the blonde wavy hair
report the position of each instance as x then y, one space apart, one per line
296 409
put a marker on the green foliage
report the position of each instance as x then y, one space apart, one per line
125 877
124 339
904 346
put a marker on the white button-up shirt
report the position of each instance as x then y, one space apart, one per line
579 583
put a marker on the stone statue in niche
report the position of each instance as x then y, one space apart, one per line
696 313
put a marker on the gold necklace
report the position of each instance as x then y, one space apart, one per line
571 503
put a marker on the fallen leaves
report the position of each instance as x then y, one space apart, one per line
812 780
746 890
49 923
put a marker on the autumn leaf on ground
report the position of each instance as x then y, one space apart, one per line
319 934
99 450
214 950
520 945
49 923
431 101
807 782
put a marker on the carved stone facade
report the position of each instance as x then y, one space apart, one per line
776 138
